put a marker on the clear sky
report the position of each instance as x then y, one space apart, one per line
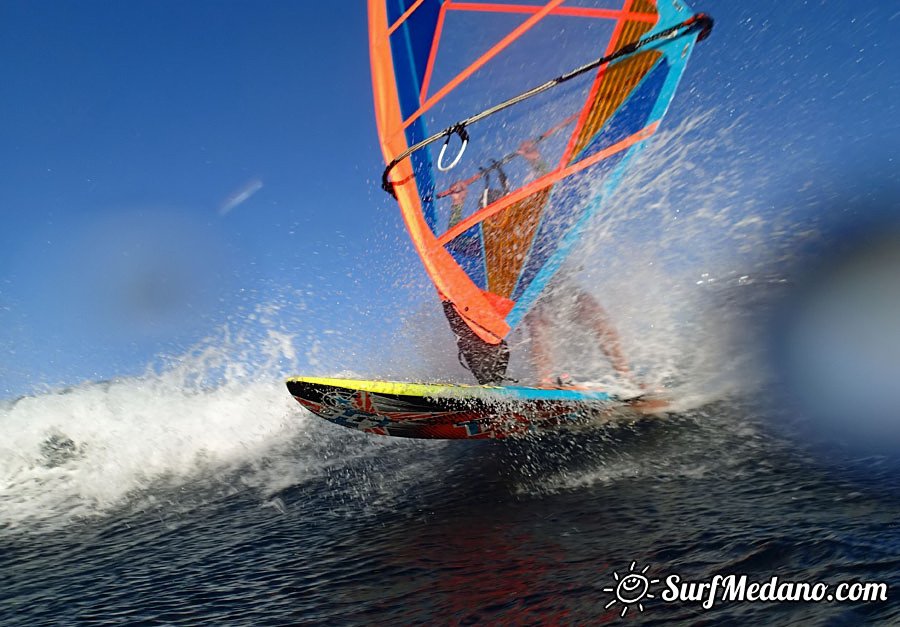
166 167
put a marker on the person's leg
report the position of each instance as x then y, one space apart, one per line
541 348
590 313
487 362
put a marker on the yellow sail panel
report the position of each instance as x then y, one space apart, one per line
507 237
617 84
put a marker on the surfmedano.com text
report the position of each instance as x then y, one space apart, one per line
738 588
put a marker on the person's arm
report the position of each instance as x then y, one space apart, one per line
528 150
458 192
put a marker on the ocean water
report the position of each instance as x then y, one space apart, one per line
162 499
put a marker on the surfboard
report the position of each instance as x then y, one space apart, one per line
454 411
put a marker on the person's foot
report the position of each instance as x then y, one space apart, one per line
559 381
649 404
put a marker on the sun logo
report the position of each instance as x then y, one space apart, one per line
631 589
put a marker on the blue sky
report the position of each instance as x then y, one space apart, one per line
126 126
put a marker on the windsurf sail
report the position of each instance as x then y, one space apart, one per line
505 126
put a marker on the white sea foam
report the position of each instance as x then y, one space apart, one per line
81 451
210 422
75 453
